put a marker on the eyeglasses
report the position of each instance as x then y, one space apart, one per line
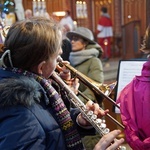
75 39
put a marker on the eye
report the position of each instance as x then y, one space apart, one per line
75 39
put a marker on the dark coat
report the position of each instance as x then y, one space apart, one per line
66 49
26 119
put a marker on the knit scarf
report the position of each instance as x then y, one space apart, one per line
78 57
72 137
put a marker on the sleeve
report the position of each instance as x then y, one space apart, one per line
96 70
134 112
96 74
22 131
99 27
100 24
82 131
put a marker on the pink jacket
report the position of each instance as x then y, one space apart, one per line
135 110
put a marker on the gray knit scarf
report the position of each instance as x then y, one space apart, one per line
78 57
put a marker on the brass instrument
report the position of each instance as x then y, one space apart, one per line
99 88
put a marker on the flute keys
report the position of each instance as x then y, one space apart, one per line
106 131
99 121
103 125
90 113
103 121
94 117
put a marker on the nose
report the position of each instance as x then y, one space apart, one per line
72 41
60 51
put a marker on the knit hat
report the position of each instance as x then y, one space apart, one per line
84 33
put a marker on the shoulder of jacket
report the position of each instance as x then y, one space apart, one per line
23 90
95 60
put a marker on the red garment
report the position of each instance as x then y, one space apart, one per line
105 21
135 110
105 32
106 48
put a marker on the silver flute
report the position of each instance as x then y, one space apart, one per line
97 123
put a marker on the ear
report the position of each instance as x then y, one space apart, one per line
40 67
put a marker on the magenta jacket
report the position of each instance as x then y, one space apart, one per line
135 110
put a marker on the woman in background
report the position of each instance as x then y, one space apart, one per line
85 58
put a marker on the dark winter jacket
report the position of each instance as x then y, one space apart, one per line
26 119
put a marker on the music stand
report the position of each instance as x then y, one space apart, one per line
127 70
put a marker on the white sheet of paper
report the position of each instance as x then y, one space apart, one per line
127 70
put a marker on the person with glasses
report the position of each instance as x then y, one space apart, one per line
85 57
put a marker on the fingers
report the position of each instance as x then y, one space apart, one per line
96 109
109 141
81 120
116 144
75 85
65 75
62 68
64 72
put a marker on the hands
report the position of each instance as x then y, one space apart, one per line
108 141
65 74
96 110
105 142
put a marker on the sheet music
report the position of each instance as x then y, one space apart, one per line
126 72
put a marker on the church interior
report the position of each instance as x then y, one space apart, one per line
130 19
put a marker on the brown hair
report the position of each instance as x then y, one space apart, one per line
146 42
32 41
104 9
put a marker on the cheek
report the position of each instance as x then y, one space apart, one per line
77 46
49 68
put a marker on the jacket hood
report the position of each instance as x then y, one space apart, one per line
22 90
97 47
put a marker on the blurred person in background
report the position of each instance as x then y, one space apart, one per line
67 20
28 13
19 10
85 57
66 44
105 33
